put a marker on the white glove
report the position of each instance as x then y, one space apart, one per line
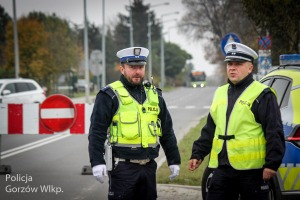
99 171
174 171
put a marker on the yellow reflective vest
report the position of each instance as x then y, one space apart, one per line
134 124
246 144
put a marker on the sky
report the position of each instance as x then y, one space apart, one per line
73 10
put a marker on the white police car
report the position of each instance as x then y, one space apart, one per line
286 81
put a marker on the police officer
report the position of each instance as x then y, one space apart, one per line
243 133
135 119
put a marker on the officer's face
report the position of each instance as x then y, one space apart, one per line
237 71
133 73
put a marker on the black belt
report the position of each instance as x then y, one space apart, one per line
226 137
141 162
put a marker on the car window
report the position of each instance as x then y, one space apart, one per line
266 82
281 86
22 87
31 86
11 87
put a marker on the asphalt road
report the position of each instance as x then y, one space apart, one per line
49 166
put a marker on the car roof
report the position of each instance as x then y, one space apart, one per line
293 73
15 80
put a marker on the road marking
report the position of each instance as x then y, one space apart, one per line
172 107
190 107
32 145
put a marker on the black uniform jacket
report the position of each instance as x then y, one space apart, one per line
106 105
266 112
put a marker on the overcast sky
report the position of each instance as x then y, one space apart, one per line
73 11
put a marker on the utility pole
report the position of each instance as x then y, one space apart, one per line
103 46
16 42
86 57
162 51
149 39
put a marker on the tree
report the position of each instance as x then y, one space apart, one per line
280 19
61 43
47 48
32 49
211 20
140 27
175 57
175 60
64 52
4 20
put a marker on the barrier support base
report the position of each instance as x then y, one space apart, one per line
5 169
86 170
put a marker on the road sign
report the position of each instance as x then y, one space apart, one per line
57 113
230 37
264 61
265 42
96 66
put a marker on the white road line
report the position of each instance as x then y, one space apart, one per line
187 107
172 107
33 145
190 107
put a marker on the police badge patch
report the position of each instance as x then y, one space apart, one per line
136 51
233 46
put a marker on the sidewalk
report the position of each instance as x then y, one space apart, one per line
180 192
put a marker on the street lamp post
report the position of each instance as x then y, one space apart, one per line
130 24
149 38
16 42
162 51
170 31
103 46
162 60
86 57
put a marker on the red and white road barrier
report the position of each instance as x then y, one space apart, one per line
38 119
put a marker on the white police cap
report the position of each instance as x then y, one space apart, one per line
239 52
133 55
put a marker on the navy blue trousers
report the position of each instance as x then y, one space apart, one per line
228 183
131 181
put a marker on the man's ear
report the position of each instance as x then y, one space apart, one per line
251 67
121 68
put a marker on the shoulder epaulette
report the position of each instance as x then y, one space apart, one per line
159 91
108 91
265 91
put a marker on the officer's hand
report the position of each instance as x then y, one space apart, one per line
268 174
99 171
174 171
194 164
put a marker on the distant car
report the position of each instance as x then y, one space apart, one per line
285 80
81 85
21 90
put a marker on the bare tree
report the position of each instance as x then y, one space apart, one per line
211 20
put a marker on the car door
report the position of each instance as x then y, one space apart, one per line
12 97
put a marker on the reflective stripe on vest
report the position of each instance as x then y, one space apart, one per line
135 124
244 136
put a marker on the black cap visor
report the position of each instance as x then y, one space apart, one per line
236 60
133 61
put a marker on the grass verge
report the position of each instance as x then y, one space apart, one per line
185 177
